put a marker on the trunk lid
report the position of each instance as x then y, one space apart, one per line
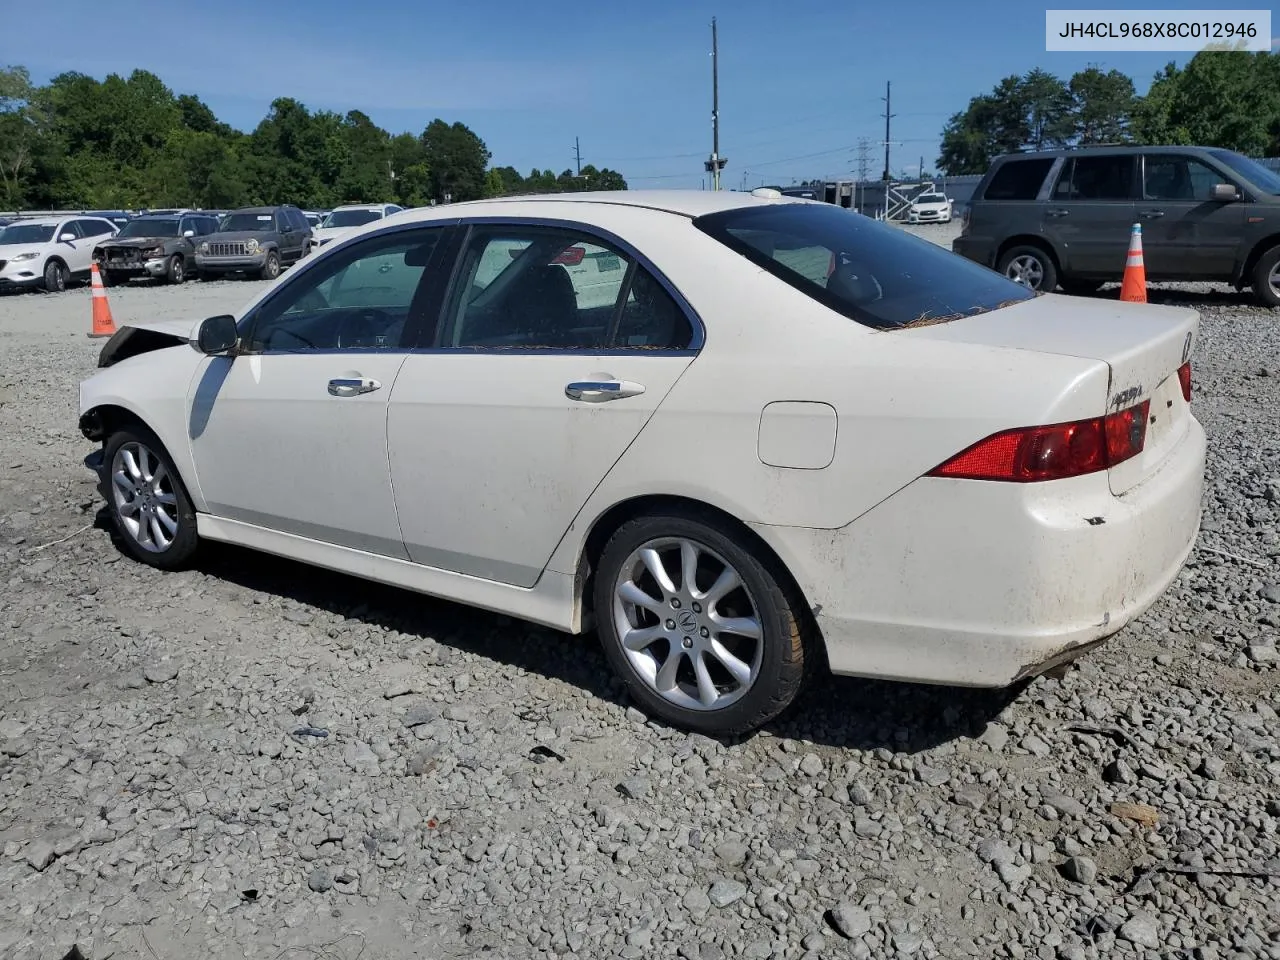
1143 346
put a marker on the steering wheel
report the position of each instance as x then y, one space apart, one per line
363 327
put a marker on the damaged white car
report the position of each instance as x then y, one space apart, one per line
737 435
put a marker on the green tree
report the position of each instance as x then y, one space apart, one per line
25 122
1102 106
457 160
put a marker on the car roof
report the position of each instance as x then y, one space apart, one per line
1114 148
687 203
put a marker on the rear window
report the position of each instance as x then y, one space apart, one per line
1018 179
876 275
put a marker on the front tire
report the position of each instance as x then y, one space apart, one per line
1266 278
271 266
56 276
176 270
1030 266
148 502
704 627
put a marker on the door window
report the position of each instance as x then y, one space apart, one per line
1101 178
361 299
94 228
542 288
1018 180
70 226
1172 177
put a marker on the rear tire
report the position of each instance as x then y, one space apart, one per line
148 502
755 678
1030 266
1266 278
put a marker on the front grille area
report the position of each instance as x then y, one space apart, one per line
233 249
122 254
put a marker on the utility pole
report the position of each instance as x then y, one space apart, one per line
716 163
577 155
887 117
864 167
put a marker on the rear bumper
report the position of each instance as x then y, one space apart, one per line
979 249
979 584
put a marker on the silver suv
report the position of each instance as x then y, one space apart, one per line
1063 218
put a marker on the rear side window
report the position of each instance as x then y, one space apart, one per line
1018 179
1098 178
874 274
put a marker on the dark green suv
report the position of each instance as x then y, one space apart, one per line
1063 218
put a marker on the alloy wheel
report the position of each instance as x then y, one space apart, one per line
1026 270
687 623
144 498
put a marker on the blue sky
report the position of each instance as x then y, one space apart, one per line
800 82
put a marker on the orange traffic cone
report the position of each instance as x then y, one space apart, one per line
103 325
1133 288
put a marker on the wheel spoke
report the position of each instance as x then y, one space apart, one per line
167 499
707 691
169 523
128 508
159 475
157 532
739 626
688 567
652 561
130 463
666 679
631 593
640 638
740 671
725 583
122 482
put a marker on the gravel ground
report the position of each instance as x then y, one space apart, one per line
257 756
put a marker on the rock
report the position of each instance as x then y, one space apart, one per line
1080 870
995 736
1012 873
634 788
1036 747
725 892
970 796
18 747
732 853
1213 768
908 943
1141 930
162 672
39 854
1264 653
811 765
850 921
397 688
1067 806
422 763
11 729
420 714
1117 771
359 756
319 881
932 776
994 850
858 793
1271 592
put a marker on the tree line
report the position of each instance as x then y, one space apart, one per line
1220 99
131 142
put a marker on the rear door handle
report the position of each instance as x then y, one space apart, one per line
601 391
1152 214
1059 212
352 386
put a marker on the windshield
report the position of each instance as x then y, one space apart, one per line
1254 172
872 273
931 198
247 223
27 233
351 218
148 228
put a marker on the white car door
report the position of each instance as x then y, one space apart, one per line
92 232
291 433
554 350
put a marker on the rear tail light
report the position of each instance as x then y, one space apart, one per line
1184 378
1054 452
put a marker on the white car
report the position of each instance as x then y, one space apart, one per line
789 436
342 220
930 208
49 253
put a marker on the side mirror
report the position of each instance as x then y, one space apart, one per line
217 335
66 237
188 233
1225 192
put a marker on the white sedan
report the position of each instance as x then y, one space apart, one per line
789 437
930 208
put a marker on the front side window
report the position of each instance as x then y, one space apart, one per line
547 288
872 273
1266 180
1173 177
360 299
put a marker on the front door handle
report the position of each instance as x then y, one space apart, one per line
352 386
1152 214
600 391
1057 212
